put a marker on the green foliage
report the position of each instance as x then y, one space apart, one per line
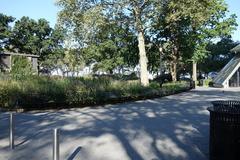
41 92
218 55
21 67
5 29
217 25
53 57
35 37
71 61
28 36
8 93
106 55
106 33
100 26
185 27
207 82
176 86
101 39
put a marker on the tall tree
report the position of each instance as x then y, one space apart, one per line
5 29
52 60
79 15
110 48
29 36
35 37
188 24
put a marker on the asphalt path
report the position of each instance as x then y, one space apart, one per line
170 128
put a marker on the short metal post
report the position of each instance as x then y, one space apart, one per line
11 131
56 144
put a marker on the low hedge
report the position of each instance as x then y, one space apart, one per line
44 92
205 82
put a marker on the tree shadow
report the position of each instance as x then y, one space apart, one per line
170 128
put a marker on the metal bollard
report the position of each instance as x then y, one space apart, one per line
11 131
56 144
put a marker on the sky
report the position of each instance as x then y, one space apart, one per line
36 9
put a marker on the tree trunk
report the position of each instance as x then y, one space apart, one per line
141 47
194 73
173 64
142 60
173 71
175 57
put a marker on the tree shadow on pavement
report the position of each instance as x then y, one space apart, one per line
170 128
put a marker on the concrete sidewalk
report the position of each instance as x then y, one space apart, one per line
170 128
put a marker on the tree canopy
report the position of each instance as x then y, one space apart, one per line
218 55
5 29
168 30
116 35
32 37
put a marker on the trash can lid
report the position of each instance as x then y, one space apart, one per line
226 102
225 106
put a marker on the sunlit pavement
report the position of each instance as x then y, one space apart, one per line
170 128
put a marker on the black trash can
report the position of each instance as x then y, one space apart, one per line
224 130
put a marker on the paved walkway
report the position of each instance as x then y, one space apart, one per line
170 128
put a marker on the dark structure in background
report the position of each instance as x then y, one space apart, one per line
229 76
6 60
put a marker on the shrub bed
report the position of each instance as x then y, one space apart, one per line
36 93
205 82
